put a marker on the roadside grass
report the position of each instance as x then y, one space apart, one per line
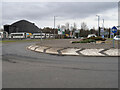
24 40
110 41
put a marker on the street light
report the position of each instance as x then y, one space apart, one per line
103 28
41 35
98 23
54 25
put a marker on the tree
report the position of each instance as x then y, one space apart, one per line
84 26
63 27
67 25
58 26
92 31
1 29
74 26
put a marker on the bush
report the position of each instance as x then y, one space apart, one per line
97 38
88 41
84 41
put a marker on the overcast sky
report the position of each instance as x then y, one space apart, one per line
41 13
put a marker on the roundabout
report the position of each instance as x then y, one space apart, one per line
28 69
64 47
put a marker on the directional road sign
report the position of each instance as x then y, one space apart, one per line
114 29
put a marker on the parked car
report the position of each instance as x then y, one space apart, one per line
117 37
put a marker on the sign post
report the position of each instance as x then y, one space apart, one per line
59 32
102 33
114 30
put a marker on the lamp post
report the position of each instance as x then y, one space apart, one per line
103 23
98 23
103 28
41 35
54 25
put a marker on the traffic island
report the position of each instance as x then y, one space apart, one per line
64 47
74 51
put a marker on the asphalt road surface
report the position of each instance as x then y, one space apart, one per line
27 69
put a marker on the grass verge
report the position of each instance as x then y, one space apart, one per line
24 40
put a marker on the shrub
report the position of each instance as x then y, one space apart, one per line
97 38
84 41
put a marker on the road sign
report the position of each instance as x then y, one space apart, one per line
102 32
114 29
63 32
59 31
77 31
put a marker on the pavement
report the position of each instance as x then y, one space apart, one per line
65 47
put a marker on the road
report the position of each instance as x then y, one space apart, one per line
27 69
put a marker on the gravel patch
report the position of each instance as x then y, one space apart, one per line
63 43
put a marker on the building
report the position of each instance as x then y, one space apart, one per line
21 26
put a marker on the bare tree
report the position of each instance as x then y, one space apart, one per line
93 28
58 26
74 26
1 29
67 25
71 28
63 27
84 26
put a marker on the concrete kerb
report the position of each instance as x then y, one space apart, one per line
32 47
54 51
70 51
92 52
113 52
29 47
41 49
74 51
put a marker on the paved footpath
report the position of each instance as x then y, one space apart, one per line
65 47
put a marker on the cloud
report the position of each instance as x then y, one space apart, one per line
61 1
44 11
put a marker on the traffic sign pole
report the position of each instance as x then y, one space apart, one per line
114 30
113 43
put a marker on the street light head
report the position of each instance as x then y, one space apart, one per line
55 16
97 15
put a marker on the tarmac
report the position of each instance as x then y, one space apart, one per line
64 47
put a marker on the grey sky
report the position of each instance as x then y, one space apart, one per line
43 12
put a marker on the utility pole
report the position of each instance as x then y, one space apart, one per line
54 26
41 35
103 23
71 28
98 23
103 27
